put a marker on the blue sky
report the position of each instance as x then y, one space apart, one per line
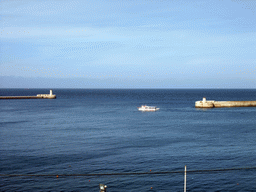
128 44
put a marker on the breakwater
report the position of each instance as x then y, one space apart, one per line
38 96
218 104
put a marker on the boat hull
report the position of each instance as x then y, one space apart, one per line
148 108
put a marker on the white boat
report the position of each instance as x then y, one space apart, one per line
147 108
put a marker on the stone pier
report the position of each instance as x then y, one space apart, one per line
211 104
39 96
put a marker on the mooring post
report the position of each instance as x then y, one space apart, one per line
185 178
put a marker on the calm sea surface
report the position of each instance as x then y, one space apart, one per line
101 131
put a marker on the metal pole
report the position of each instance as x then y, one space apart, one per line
185 178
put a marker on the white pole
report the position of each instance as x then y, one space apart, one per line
185 178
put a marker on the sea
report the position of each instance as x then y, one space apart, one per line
87 137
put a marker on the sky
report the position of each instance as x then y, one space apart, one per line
128 44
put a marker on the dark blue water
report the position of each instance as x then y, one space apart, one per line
101 131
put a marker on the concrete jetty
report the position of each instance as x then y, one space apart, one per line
38 96
218 104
